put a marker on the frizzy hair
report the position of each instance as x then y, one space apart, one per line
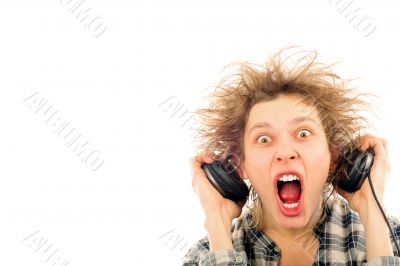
289 71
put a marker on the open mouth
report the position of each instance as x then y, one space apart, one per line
289 194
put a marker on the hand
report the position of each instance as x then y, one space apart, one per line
211 200
360 199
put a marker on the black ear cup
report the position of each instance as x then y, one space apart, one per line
359 165
226 180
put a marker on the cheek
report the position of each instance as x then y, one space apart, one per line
258 165
258 161
318 154
318 161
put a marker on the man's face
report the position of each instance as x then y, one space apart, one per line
290 139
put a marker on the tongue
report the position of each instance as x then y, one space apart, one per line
290 192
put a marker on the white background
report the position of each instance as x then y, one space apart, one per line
138 208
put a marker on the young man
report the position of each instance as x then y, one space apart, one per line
287 124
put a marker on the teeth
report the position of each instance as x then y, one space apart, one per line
290 205
287 178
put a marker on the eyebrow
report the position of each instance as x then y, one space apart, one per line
293 121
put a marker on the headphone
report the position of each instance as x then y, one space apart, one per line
227 181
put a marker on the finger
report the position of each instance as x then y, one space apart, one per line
369 140
198 160
385 146
198 175
381 154
366 141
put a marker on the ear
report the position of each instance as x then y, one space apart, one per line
242 172
334 157
333 165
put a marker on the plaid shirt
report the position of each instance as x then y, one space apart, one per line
339 230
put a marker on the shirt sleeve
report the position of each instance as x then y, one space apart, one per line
395 225
389 260
199 254
384 261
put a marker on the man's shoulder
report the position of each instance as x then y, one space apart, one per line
345 217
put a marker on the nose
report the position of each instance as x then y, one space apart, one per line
285 152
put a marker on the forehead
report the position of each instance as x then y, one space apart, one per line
282 108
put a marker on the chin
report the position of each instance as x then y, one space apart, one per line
297 222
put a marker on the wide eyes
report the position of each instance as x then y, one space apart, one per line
263 139
303 133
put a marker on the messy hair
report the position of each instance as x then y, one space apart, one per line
288 71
